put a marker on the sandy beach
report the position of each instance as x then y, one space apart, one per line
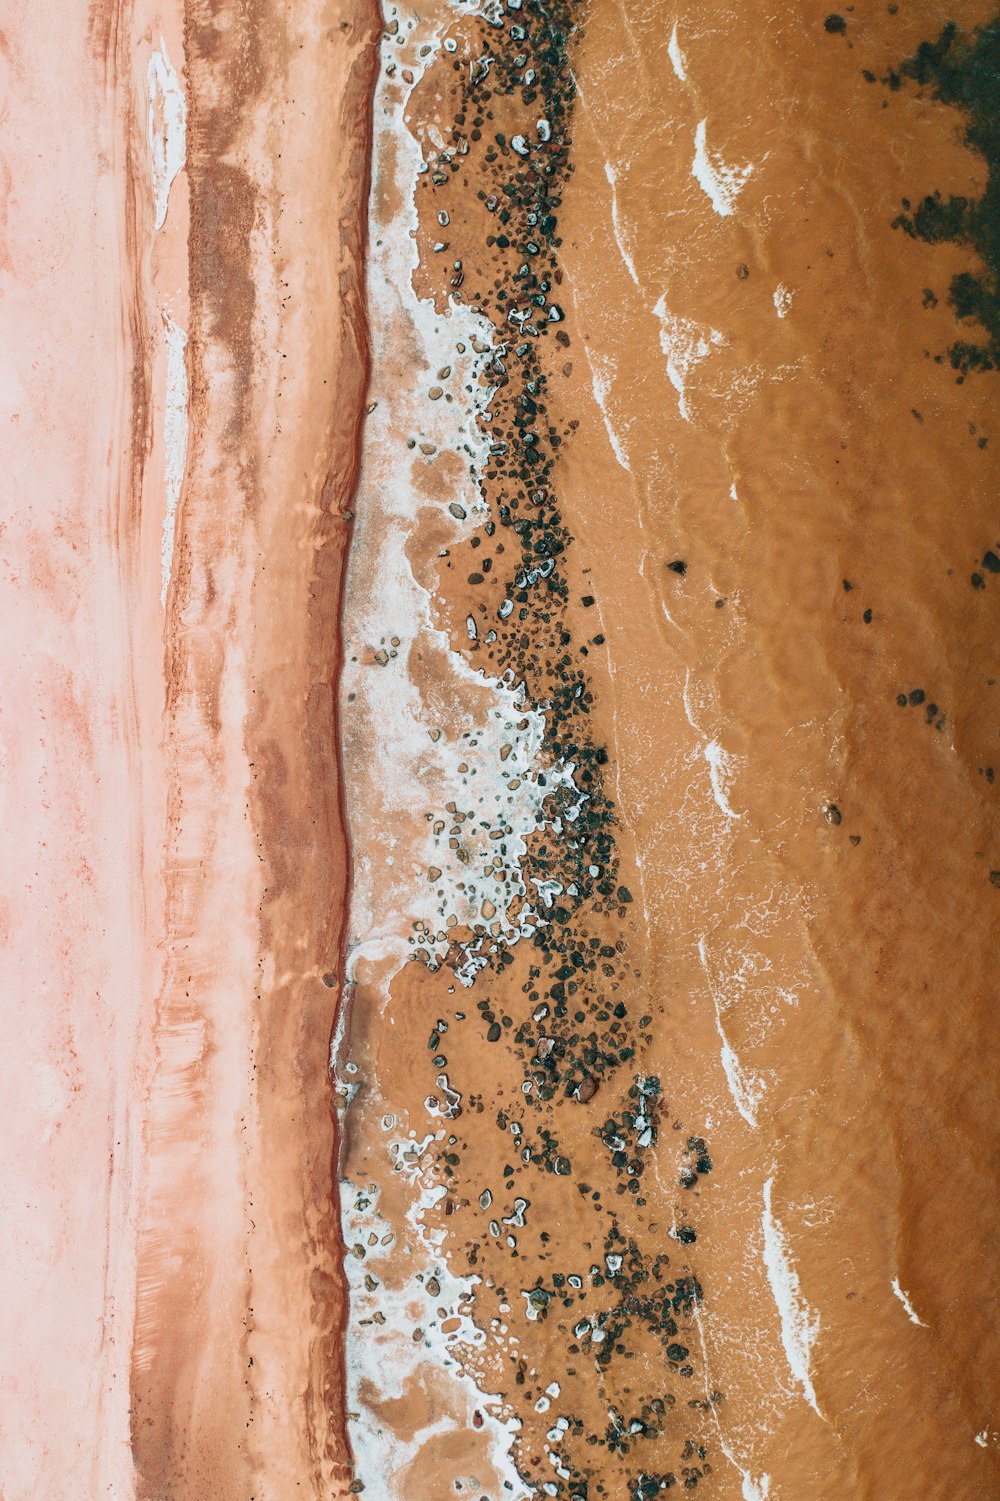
499 753
183 273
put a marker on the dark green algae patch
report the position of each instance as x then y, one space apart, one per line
582 1020
963 71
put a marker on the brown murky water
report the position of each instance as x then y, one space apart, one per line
671 1089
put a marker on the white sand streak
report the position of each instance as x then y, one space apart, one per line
166 127
175 440
721 183
799 1323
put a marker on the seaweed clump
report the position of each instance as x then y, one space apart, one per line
963 71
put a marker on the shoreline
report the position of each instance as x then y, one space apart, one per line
178 551
499 758
260 1352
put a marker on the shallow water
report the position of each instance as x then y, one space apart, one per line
737 962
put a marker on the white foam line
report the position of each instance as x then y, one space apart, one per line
740 1088
783 300
175 441
677 59
910 1311
800 1324
623 250
719 767
753 1488
166 127
684 344
687 698
720 762
384 1363
722 184
601 381
747 1092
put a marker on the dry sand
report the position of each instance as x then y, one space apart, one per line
176 872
